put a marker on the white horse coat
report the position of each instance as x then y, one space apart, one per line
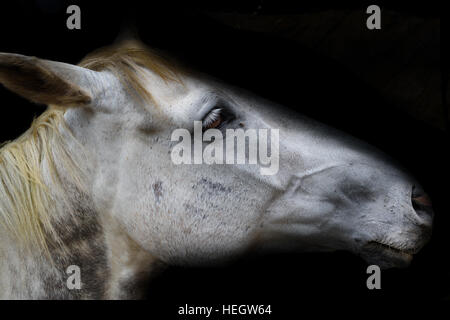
117 206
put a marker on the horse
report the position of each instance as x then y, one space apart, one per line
92 182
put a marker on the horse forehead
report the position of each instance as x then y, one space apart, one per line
171 93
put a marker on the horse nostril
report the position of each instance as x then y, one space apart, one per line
421 202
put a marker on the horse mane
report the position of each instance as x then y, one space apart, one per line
127 60
26 203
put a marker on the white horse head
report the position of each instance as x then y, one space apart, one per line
330 192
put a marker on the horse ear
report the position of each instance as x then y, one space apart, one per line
46 82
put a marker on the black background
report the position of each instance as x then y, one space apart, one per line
280 70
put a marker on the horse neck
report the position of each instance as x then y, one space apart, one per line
29 273
111 264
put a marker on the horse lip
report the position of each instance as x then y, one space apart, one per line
387 255
393 248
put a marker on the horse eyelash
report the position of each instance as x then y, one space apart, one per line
212 116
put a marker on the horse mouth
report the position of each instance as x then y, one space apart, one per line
392 248
388 255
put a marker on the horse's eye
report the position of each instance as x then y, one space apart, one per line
213 119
